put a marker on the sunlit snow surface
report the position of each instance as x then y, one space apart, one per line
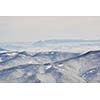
50 62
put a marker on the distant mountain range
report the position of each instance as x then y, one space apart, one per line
54 41
66 40
54 44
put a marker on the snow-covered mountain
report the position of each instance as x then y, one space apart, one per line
50 61
49 66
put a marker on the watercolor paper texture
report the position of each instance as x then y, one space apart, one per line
49 49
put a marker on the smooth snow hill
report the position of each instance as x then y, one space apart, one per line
50 67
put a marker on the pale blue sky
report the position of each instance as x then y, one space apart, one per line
40 28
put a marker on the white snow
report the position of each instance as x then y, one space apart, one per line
47 67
